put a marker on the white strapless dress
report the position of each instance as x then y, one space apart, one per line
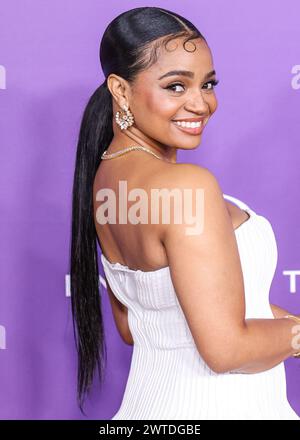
168 379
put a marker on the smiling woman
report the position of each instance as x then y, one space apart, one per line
193 305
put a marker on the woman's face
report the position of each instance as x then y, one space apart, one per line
159 98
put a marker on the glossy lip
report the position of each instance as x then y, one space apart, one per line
194 131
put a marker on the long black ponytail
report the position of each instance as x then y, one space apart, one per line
128 46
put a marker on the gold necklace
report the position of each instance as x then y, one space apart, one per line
106 156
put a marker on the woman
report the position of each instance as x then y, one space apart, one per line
193 304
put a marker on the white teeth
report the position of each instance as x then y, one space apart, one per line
189 124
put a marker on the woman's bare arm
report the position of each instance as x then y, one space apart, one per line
278 313
206 272
266 343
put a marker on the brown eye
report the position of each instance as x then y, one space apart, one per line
170 87
213 83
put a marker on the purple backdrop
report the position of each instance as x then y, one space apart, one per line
49 67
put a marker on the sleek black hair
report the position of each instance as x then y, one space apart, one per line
128 46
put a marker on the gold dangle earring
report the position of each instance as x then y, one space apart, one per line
124 120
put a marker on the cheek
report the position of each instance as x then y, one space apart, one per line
159 105
213 103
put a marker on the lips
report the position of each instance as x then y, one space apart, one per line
191 130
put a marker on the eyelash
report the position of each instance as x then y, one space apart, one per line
214 82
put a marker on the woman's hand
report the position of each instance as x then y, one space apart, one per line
279 312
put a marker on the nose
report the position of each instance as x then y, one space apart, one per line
198 103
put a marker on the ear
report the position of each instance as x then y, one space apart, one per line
120 89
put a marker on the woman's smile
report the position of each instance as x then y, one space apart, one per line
193 128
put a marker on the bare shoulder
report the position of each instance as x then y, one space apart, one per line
200 188
183 174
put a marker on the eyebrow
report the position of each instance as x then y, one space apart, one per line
187 73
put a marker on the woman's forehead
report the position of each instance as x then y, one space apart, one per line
179 58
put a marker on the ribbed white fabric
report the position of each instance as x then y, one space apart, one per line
168 379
